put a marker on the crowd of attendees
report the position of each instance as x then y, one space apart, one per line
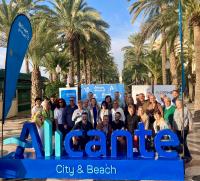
115 114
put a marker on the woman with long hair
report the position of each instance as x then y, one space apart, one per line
143 117
108 99
104 111
159 123
153 107
58 115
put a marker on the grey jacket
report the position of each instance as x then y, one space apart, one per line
178 120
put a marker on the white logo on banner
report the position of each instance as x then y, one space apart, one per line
111 88
87 89
99 89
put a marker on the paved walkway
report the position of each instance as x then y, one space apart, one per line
13 127
193 168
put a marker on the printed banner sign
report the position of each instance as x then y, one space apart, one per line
87 163
66 93
163 89
18 42
93 169
100 91
158 90
137 89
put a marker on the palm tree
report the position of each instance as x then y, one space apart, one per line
76 20
192 12
92 48
8 12
134 56
51 60
40 45
152 9
36 50
29 7
153 62
168 21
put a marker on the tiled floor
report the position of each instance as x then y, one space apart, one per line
192 171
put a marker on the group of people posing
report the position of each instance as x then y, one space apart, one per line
114 114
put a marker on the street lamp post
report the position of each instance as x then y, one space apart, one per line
68 80
152 82
58 71
135 77
167 67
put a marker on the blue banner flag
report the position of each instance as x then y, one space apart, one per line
18 42
67 93
181 43
100 91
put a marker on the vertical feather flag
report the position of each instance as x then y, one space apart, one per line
18 41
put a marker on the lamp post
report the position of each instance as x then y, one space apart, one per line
167 67
58 71
68 80
152 82
135 77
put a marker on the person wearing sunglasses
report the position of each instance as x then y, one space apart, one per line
67 115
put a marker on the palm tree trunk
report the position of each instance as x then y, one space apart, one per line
85 65
101 74
65 78
196 29
27 65
77 58
155 80
36 88
71 68
50 77
90 71
173 68
164 59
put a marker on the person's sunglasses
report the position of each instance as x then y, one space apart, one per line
71 100
60 102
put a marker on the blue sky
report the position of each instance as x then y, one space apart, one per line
116 14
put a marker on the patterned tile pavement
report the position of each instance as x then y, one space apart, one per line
192 170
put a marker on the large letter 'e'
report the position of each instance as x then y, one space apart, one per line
172 142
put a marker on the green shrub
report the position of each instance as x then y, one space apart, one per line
53 88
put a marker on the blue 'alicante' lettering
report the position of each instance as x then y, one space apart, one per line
160 143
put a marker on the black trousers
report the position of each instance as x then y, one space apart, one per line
183 140
61 129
